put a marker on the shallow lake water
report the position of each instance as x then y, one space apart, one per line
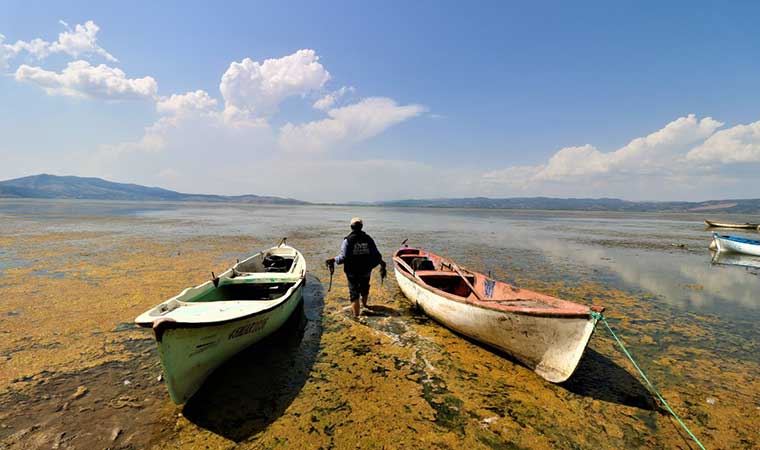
394 379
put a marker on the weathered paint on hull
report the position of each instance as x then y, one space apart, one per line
551 346
189 355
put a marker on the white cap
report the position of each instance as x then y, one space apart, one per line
356 220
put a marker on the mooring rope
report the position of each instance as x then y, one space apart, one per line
650 386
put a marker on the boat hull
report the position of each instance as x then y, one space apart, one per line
724 244
189 354
736 226
551 346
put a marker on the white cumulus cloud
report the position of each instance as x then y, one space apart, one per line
349 124
191 102
78 42
193 129
328 100
81 79
255 89
82 40
739 144
679 159
656 152
6 53
36 47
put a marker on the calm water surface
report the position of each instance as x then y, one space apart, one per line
664 255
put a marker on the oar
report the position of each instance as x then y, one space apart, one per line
469 285
383 274
331 268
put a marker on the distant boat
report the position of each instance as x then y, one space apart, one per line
199 329
736 259
735 244
744 226
546 334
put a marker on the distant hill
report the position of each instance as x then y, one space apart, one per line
70 187
743 206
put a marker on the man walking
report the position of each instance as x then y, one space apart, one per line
359 255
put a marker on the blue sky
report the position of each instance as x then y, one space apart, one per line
636 100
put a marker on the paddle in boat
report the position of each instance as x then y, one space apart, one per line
545 333
199 329
736 244
744 226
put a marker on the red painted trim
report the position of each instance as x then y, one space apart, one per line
560 308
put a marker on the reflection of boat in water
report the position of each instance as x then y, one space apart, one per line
736 244
736 259
545 333
743 226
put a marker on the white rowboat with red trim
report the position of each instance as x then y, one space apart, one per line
544 333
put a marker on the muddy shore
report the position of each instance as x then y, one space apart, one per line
75 373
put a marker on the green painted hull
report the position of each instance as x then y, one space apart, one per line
190 352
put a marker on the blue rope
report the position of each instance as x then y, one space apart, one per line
649 384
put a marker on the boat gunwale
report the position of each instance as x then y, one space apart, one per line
165 323
737 239
497 306
162 323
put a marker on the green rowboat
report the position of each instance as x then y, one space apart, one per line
199 329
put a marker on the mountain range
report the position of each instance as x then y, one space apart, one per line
72 187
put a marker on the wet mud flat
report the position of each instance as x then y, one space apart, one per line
74 373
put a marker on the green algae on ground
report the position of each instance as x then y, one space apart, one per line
395 379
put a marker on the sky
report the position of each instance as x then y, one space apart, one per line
339 101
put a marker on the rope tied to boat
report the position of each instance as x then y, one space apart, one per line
599 316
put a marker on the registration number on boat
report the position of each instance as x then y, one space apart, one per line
252 327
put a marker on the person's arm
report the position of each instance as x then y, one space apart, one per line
342 255
379 257
376 253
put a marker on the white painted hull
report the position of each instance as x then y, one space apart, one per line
551 346
726 245
194 336
190 355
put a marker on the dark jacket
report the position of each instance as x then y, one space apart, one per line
358 254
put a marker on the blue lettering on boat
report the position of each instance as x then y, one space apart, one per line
252 327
